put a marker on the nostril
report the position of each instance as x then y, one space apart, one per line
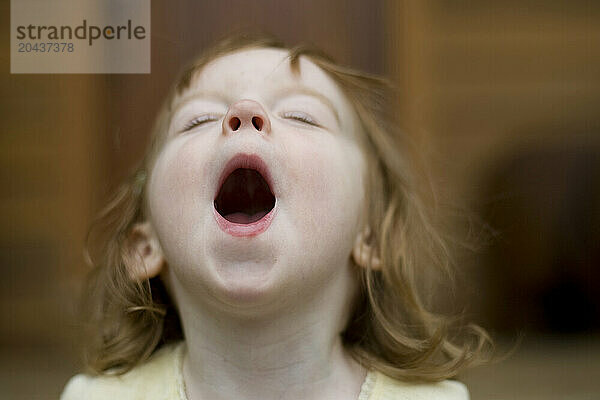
234 123
257 122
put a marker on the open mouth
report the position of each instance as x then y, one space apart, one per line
244 197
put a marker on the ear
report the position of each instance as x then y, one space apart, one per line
364 254
146 256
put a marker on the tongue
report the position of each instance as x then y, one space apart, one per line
243 218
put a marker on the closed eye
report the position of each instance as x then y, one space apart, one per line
203 119
300 117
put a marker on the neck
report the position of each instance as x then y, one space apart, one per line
294 353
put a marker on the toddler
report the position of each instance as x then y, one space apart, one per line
270 246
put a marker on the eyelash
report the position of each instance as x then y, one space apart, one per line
294 115
301 117
199 121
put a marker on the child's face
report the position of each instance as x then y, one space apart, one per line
215 237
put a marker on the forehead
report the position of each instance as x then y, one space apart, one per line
261 73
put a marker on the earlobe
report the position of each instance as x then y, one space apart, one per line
364 254
146 257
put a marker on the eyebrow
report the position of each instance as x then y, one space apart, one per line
181 101
301 89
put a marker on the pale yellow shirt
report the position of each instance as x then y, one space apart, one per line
160 378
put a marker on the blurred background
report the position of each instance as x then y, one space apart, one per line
503 98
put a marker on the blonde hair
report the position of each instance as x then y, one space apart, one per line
391 328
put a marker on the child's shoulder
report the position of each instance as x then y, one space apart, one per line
157 378
382 387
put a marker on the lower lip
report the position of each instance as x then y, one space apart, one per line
245 230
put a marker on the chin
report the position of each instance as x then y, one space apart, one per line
246 284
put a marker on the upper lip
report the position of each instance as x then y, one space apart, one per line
248 161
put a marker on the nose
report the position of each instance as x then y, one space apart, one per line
246 114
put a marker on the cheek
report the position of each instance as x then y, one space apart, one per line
327 180
177 184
